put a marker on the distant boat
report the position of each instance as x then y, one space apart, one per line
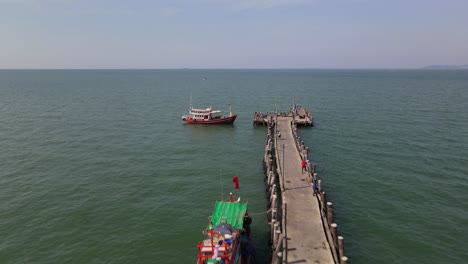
206 116
227 237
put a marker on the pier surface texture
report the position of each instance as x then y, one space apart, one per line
306 238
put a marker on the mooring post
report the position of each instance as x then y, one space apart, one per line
341 246
333 229
324 201
272 229
278 246
273 201
319 182
277 233
272 179
285 253
344 260
278 259
329 213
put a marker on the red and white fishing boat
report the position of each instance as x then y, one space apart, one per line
207 116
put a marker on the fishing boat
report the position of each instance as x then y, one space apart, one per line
227 237
207 116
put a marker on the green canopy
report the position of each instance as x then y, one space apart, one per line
233 213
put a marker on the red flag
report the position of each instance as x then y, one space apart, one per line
235 180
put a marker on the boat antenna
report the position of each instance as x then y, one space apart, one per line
190 103
276 106
221 183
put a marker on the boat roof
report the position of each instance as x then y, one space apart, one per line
233 213
201 110
207 111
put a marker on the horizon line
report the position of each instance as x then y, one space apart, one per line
421 68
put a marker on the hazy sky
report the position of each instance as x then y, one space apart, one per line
232 33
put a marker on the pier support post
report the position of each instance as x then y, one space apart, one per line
285 253
278 250
333 229
344 260
277 233
272 181
319 183
323 195
273 201
330 213
340 246
272 230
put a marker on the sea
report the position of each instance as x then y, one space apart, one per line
96 166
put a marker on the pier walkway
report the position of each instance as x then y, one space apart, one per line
306 238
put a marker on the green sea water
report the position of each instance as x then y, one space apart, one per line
97 167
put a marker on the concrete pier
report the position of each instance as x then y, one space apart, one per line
307 241
302 227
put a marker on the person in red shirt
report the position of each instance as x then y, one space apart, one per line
303 165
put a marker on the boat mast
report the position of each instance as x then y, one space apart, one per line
230 112
190 103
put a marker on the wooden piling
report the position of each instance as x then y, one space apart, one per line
340 246
323 195
272 230
278 246
277 233
344 260
330 213
333 229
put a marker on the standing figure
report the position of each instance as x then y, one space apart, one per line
314 188
303 165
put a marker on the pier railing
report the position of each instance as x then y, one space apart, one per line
277 207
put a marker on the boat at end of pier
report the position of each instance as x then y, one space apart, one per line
227 236
208 116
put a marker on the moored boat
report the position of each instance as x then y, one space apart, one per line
227 237
207 116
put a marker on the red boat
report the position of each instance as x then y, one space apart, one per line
206 116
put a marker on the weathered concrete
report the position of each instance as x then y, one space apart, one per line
306 239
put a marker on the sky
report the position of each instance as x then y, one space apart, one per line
232 34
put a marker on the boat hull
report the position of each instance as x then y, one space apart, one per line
213 121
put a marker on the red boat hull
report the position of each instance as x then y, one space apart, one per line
213 121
